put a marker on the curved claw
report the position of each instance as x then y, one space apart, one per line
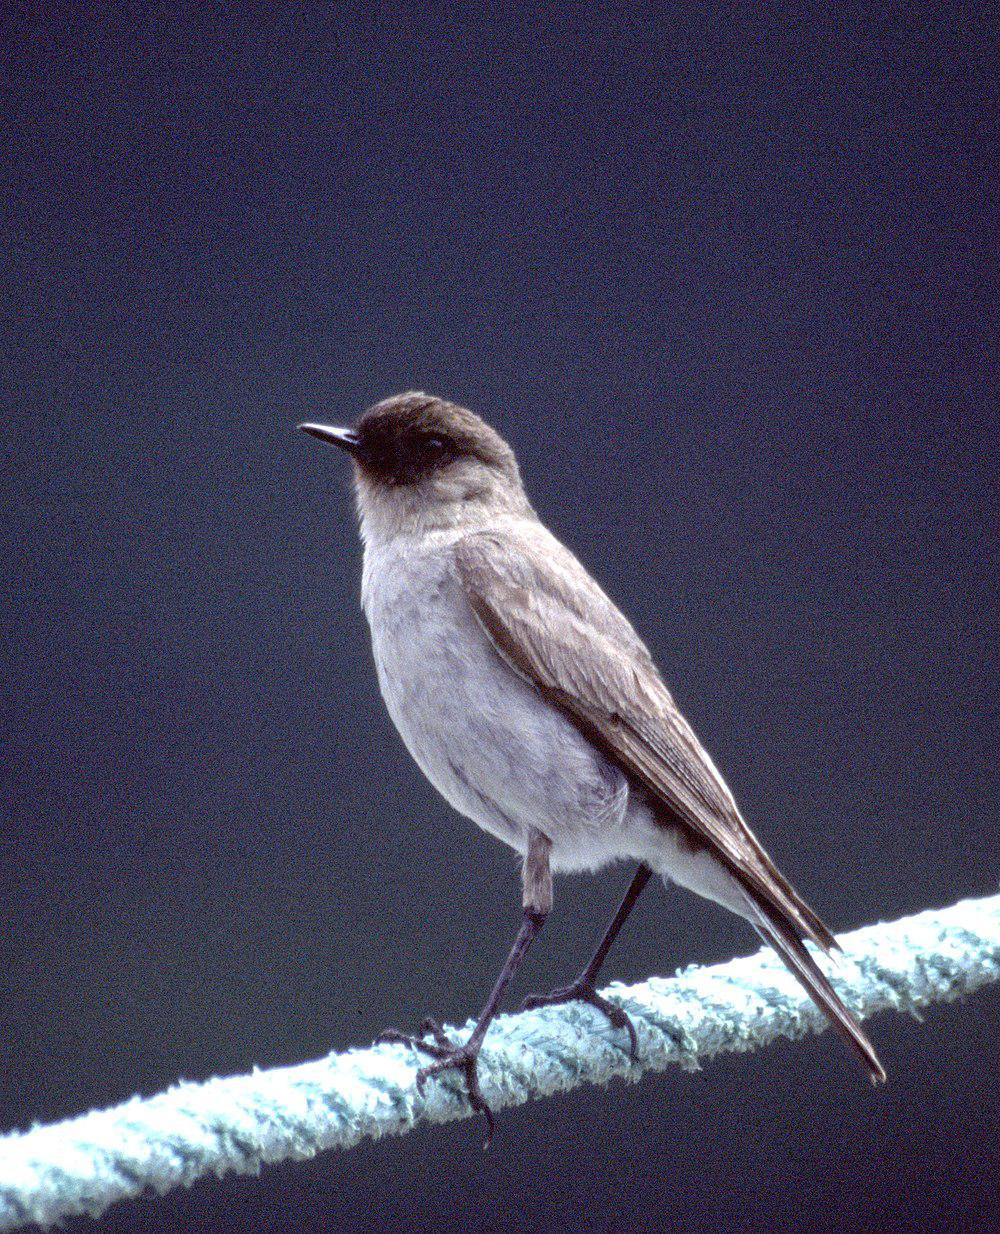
429 1025
436 1049
392 1036
446 1056
584 992
464 1059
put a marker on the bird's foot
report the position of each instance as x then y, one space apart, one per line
447 1057
464 1058
584 991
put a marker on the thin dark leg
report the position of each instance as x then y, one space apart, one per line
465 1057
635 890
584 988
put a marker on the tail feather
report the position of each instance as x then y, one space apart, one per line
781 935
808 922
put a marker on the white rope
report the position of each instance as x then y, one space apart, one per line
84 1164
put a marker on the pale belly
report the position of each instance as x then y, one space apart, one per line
484 737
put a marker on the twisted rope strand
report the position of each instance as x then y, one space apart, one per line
238 1123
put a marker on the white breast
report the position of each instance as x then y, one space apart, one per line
484 738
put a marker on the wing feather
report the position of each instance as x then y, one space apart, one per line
555 626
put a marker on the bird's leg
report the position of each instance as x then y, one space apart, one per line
585 987
537 879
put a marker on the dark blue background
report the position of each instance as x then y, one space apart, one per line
723 282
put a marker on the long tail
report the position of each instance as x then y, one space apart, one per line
780 934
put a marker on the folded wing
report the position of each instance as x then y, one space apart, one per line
555 627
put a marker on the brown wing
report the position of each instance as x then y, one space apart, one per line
553 624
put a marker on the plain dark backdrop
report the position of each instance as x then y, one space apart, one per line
723 281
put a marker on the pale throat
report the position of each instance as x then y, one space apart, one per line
462 501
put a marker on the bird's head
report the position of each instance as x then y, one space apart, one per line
422 464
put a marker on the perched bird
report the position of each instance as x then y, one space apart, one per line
532 706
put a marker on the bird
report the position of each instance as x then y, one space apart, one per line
531 704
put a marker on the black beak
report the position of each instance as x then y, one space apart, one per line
346 438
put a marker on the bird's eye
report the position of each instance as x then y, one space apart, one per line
436 445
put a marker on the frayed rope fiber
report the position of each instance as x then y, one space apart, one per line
238 1123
